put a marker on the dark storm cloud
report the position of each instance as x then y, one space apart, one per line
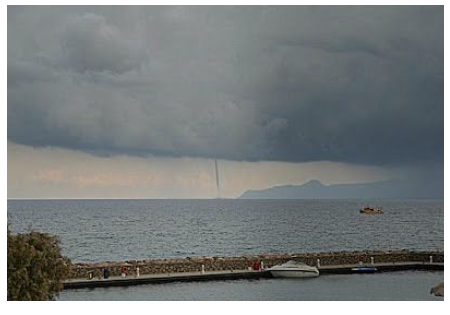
351 84
89 43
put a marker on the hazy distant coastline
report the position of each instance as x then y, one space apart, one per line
314 189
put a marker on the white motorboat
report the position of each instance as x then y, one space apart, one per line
294 269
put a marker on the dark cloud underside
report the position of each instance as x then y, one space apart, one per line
350 84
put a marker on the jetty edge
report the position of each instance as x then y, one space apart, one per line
240 267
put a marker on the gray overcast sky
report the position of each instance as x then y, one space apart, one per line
356 85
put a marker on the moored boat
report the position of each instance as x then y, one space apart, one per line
364 269
294 269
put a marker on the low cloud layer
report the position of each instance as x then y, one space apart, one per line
347 84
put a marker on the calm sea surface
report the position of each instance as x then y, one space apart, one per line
392 286
101 230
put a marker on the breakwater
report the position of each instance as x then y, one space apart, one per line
217 264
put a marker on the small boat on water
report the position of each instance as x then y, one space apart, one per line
294 269
364 269
369 210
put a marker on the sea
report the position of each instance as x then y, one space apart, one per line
118 230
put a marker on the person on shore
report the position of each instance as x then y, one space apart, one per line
123 271
137 271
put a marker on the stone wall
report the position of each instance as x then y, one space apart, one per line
194 264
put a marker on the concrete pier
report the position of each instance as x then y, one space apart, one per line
383 267
165 278
207 264
237 274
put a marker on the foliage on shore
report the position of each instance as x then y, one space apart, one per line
36 267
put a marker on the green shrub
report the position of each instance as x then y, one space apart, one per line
36 267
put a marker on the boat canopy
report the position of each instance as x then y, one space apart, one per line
293 263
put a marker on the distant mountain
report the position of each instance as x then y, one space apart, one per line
314 189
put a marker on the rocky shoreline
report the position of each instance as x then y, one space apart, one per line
193 264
